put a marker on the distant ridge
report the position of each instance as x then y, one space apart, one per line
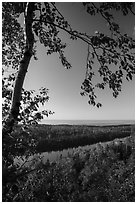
88 122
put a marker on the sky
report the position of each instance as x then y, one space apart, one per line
65 85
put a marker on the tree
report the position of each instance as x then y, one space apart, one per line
42 22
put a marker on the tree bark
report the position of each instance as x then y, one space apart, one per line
23 67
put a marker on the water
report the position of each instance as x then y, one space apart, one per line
34 160
88 122
55 155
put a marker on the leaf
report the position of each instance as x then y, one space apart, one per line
99 105
27 111
130 75
43 9
122 63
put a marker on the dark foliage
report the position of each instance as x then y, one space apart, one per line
54 138
96 175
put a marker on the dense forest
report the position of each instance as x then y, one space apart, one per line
85 175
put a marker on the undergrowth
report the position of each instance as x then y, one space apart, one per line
100 175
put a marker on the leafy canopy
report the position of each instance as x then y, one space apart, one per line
114 53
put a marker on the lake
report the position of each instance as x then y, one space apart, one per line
51 156
55 155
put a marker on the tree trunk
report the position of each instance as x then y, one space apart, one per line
24 63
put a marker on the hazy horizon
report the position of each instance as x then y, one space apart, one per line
87 122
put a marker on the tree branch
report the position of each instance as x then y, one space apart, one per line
53 4
69 32
132 11
87 40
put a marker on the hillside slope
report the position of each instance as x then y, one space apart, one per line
104 173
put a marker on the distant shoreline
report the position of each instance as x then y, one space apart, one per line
88 122
103 124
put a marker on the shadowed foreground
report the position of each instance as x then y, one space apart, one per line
105 174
